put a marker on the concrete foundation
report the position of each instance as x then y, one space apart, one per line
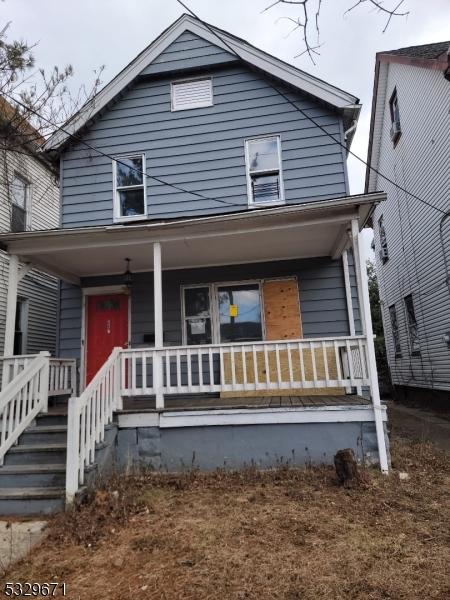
239 446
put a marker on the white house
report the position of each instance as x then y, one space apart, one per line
29 201
410 145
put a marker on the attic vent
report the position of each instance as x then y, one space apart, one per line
195 93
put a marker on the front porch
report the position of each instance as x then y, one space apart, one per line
302 356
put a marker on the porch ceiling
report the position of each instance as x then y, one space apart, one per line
301 231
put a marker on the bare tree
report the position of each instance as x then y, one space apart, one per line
33 103
308 23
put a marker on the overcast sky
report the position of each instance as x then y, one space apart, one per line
90 33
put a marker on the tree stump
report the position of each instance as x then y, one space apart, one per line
346 467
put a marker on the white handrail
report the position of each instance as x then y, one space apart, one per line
22 399
88 417
62 378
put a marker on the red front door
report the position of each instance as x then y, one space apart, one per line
106 328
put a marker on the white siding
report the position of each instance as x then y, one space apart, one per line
39 289
420 163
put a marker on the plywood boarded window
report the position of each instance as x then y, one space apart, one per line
282 309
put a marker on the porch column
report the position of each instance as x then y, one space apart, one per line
349 302
158 312
366 322
11 305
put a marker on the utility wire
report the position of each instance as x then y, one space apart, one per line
117 160
292 103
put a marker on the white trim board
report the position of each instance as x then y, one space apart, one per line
258 58
250 416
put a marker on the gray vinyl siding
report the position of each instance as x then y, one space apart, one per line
202 150
321 285
41 293
188 51
417 254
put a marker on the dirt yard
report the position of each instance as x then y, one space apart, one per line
291 534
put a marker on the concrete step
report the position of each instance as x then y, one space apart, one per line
31 501
36 454
24 476
44 434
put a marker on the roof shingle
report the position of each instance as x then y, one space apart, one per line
430 51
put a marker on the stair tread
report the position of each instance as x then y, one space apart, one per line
38 448
46 429
28 469
30 493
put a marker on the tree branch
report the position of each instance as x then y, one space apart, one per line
303 22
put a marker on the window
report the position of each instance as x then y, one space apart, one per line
195 93
395 117
395 331
264 177
20 192
384 254
220 313
197 315
412 325
129 187
239 313
21 326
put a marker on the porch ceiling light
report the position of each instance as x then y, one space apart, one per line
128 276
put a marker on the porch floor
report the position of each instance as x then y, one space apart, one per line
204 401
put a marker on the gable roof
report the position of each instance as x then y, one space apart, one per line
434 56
345 103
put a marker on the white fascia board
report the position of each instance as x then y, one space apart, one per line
268 416
260 59
249 416
60 239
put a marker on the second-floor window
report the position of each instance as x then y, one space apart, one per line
129 187
384 254
394 109
395 330
264 174
411 321
20 200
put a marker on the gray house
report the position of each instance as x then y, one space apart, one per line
214 294
410 144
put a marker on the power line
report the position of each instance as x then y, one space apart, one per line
292 103
111 157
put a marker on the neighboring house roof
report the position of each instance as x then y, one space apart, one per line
434 56
16 128
424 51
345 103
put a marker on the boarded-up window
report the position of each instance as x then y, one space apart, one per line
196 93
282 309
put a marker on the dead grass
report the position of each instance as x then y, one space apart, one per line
291 534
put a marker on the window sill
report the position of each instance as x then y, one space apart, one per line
130 219
263 204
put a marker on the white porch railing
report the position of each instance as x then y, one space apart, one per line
22 399
87 419
62 374
300 364
327 363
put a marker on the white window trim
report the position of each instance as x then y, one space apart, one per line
213 309
188 80
118 218
28 199
251 202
